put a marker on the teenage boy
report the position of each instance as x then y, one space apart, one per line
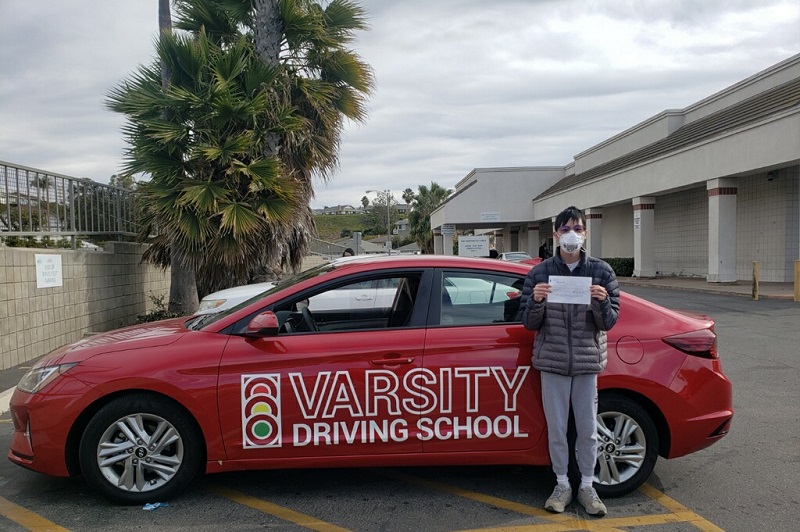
569 351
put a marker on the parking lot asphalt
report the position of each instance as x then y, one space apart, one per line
766 290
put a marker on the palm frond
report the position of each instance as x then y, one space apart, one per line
239 219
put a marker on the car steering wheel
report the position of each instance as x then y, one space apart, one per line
308 319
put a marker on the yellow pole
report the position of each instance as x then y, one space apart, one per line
796 281
755 280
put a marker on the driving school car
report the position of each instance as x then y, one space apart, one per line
438 374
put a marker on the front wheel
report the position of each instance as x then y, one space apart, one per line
627 446
140 449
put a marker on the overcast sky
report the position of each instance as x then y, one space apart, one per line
460 84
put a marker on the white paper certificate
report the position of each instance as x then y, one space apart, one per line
566 289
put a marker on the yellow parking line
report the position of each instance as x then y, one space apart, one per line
273 509
26 518
558 522
676 507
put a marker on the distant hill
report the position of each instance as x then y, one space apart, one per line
330 227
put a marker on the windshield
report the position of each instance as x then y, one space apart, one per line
204 320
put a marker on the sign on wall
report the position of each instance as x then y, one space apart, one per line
48 271
448 229
473 246
490 216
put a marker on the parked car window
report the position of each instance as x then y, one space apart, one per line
479 298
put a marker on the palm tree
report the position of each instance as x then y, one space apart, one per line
233 141
426 201
408 196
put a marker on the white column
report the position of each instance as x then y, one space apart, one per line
499 245
594 226
447 244
721 230
644 232
437 242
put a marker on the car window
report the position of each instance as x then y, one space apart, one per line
480 298
365 303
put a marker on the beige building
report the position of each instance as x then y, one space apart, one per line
701 191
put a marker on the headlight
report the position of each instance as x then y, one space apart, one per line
208 304
38 378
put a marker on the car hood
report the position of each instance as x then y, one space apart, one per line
143 336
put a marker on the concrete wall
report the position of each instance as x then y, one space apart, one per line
681 246
101 290
768 225
618 231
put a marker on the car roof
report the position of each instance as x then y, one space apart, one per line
427 261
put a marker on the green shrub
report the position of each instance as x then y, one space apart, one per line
622 266
160 312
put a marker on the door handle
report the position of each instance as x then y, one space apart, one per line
392 361
364 298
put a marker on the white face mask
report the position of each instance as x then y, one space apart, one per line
571 242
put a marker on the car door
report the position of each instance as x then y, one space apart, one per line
478 347
346 391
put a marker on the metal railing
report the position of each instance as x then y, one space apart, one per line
36 203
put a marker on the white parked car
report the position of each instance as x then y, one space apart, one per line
230 297
365 295
376 294
514 256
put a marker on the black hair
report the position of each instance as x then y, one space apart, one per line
348 251
570 213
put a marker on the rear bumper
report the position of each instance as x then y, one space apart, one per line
704 409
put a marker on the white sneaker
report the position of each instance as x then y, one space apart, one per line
591 502
560 498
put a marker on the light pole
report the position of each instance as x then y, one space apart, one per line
388 194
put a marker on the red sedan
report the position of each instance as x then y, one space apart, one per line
440 376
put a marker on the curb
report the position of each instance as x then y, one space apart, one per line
746 292
5 399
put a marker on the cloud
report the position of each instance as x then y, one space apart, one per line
460 84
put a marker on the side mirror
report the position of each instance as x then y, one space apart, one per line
263 325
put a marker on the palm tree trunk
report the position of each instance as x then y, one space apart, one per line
268 32
183 297
164 27
268 35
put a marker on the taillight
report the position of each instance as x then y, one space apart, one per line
702 343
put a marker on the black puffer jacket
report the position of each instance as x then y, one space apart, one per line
571 339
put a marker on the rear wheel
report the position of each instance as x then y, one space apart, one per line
140 449
627 446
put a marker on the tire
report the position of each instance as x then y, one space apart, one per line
627 446
139 449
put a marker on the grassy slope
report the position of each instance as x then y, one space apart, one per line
329 227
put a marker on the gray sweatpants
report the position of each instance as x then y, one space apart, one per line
557 391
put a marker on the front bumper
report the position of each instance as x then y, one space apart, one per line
42 424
